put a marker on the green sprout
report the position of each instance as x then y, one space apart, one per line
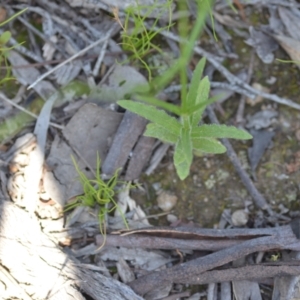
185 133
97 193
138 38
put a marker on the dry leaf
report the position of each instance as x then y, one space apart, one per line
291 46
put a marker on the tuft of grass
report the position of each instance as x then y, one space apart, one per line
137 38
97 194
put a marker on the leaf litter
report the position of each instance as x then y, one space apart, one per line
41 167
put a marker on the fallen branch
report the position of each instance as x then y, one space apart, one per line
234 80
280 238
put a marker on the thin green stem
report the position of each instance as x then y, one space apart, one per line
12 17
183 32
161 82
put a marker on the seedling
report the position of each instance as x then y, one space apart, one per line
184 132
275 257
137 39
97 193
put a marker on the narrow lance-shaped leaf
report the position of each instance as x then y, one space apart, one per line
203 90
208 145
192 94
152 114
161 133
220 131
203 105
4 37
183 155
160 104
202 96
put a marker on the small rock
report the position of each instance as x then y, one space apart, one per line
166 201
271 80
239 218
156 186
172 218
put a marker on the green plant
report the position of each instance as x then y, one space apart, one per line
138 38
4 51
97 193
184 133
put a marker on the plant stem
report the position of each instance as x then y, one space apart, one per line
183 32
161 82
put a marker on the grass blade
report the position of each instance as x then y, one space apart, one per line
192 94
202 97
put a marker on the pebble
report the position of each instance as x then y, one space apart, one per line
166 200
239 218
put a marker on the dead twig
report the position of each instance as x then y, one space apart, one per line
282 238
234 80
254 272
240 112
81 52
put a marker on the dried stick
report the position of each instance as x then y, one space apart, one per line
229 76
100 58
81 52
240 112
284 239
154 242
254 272
41 35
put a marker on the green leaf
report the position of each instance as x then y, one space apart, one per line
152 114
141 88
208 145
203 91
202 97
4 37
198 94
203 105
160 133
183 155
192 94
220 131
158 103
